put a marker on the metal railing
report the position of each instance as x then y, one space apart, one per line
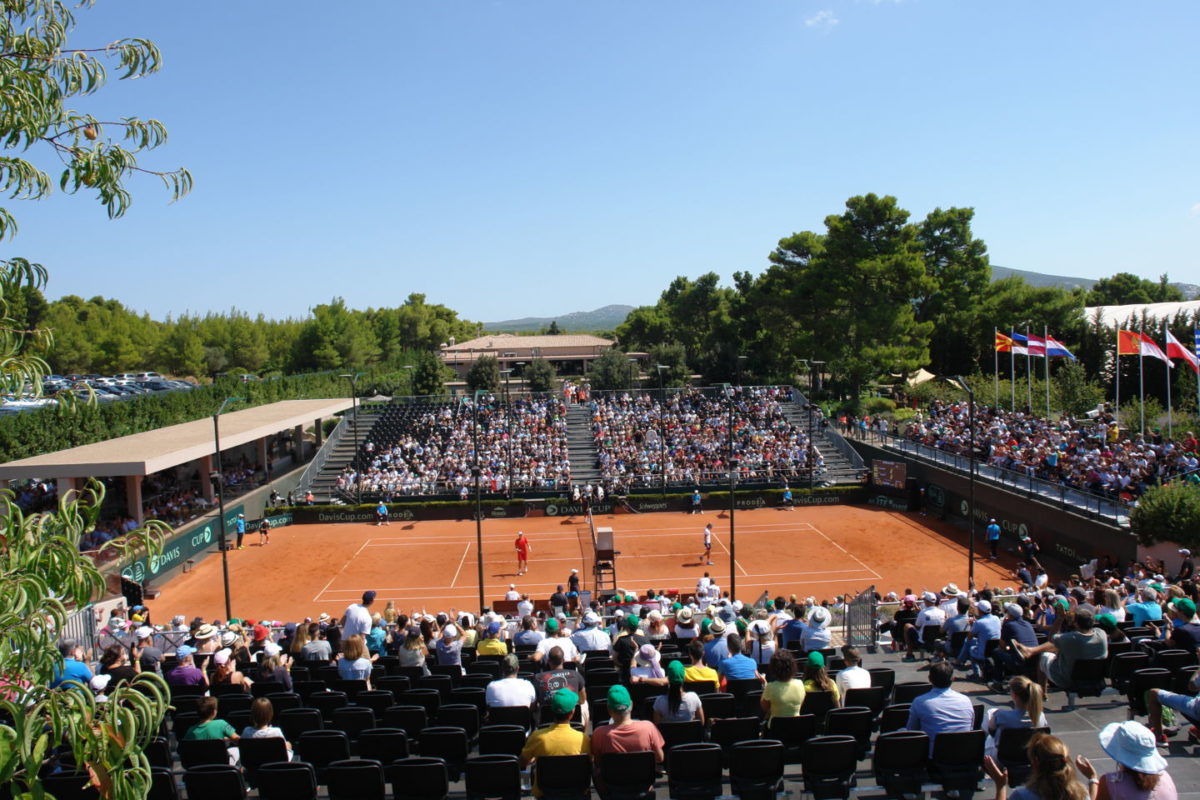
322 455
1068 498
834 437
861 629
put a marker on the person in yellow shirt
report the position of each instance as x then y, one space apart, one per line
816 679
560 739
492 645
696 671
784 694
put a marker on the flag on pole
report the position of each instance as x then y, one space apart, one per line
1036 346
1175 349
1132 343
1019 345
1004 344
1055 349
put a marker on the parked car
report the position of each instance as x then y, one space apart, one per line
148 376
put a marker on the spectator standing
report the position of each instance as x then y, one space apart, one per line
357 619
941 709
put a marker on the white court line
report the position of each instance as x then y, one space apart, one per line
638 580
340 571
461 561
717 539
444 535
878 577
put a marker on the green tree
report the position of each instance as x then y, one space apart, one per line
671 356
1074 393
611 370
1168 513
429 375
957 264
553 329
484 374
540 375
1125 288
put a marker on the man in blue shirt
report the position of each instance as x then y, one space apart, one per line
241 530
73 668
716 650
993 535
1147 609
985 628
941 709
736 667
381 514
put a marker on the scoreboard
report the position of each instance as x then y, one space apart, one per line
890 474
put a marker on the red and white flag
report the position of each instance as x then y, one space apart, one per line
1175 349
1132 343
1037 346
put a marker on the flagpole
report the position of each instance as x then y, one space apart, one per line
1012 374
1117 361
1170 421
1046 355
1196 350
1142 377
996 367
1028 372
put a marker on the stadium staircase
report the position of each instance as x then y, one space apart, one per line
581 447
842 464
340 453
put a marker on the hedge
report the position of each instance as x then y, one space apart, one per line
47 430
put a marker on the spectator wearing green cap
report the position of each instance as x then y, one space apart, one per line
677 705
627 644
816 679
784 694
559 739
555 638
1184 633
624 734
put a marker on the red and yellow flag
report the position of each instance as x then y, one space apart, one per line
1004 344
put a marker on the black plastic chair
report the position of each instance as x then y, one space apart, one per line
418 778
894 717
282 701
756 769
219 690
322 748
628 776
493 776
793 732
218 782
396 684
162 785
349 686
564 777
296 721
851 721
256 752
873 698
411 719
469 695
1173 660
511 715
716 705
679 733
884 678
282 780
1184 677
352 720
694 772
460 715
327 702
308 688
203 752
70 786
726 732
449 744
957 760
384 745
598 709
1143 681
501 740
452 671
182 722
442 684
1012 755
430 699
378 700
1087 680
818 704
899 762
355 779
264 688
829 764
1122 666
908 691
158 753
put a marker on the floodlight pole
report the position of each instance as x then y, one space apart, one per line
219 479
961 382
662 427
353 378
732 500
509 427
478 502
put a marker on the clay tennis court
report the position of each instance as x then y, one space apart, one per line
823 551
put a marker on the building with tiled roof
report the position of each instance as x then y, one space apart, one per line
570 353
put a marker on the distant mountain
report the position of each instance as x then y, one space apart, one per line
602 319
1190 291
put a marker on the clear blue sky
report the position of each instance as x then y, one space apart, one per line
539 157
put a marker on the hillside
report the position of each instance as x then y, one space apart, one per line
602 319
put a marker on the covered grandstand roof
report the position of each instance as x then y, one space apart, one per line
1116 315
152 451
509 341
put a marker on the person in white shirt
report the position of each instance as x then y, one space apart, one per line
512 593
590 635
510 690
930 615
524 606
949 602
554 638
852 676
702 588
357 619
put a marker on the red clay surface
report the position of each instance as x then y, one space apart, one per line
824 551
